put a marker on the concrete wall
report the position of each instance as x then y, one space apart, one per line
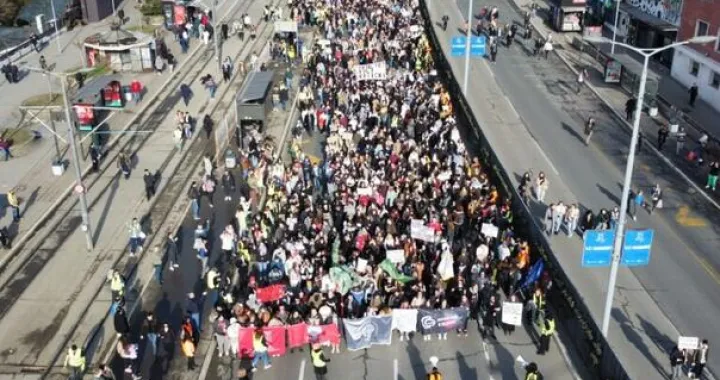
682 64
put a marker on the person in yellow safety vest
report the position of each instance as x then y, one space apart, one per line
319 361
75 359
434 374
535 305
546 332
117 285
532 372
261 350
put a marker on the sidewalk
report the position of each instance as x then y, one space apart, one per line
37 340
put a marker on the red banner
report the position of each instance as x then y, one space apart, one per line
270 293
297 335
324 334
275 339
245 342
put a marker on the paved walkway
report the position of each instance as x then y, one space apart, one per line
36 340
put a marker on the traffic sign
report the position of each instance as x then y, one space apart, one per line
636 251
458 45
597 248
477 46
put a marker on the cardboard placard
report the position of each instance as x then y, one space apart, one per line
688 342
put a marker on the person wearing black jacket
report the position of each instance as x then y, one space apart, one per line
228 184
149 180
319 362
207 126
122 327
194 195
676 362
149 332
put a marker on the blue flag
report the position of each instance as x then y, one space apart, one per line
533 274
365 332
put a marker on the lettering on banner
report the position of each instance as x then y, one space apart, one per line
688 342
490 230
512 313
396 256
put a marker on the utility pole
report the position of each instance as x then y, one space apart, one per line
79 188
468 35
217 36
57 33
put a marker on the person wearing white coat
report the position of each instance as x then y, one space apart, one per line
233 334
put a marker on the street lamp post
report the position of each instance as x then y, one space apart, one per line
615 26
468 35
55 22
622 221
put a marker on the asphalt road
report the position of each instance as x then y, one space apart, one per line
681 277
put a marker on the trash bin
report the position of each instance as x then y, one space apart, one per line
230 159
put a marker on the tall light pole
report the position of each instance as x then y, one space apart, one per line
57 33
79 187
617 16
468 35
622 221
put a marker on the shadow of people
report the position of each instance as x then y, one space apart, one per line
465 371
632 333
574 133
606 192
416 360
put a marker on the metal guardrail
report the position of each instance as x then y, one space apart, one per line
26 46
568 306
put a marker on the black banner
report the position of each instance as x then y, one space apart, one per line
441 320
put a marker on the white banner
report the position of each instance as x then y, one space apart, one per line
404 320
370 71
512 313
490 230
364 191
396 256
286 27
688 343
423 233
365 332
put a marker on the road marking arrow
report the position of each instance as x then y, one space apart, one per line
684 219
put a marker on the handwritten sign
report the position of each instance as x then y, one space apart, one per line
512 313
490 230
370 71
688 342
396 256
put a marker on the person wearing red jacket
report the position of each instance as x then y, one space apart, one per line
136 89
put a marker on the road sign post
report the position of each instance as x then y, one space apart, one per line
477 46
597 248
458 45
636 248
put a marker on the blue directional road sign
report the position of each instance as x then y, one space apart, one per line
636 251
597 248
458 45
477 46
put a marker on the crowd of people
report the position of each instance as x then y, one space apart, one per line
393 160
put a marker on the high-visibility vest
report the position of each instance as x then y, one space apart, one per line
539 300
258 345
211 276
531 376
188 348
76 358
549 328
317 360
117 284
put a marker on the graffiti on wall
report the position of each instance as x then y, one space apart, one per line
667 10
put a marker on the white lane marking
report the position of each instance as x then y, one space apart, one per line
302 370
395 369
512 107
485 352
544 155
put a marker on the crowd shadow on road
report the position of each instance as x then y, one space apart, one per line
633 335
416 360
465 371
504 356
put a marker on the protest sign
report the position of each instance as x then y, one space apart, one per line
688 343
490 230
370 71
396 256
275 339
512 313
404 320
437 321
365 332
422 232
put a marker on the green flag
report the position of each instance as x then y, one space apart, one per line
392 271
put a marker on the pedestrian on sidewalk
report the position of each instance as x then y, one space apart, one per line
5 238
5 147
120 321
95 155
186 93
541 187
178 138
208 166
637 199
137 236
123 162
209 84
34 41
547 48
630 106
80 79
493 52
194 309
538 46
558 215
194 195
656 199
208 189
680 138
693 91
227 68
149 332
699 360
166 340
188 349
228 183
159 65
207 126
43 63
662 137
589 129
677 358
445 19
172 250
14 203
150 180
581 80
712 178
136 90
75 359
548 220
